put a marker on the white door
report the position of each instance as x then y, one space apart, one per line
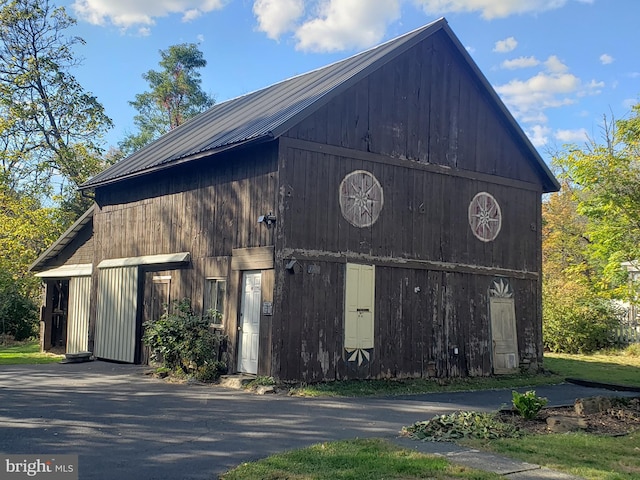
250 322
359 301
504 335
78 319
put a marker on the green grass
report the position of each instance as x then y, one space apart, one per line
617 367
361 388
589 456
26 353
369 459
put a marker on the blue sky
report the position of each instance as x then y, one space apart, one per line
559 65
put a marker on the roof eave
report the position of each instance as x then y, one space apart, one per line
64 239
89 185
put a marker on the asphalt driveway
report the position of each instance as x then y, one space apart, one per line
126 425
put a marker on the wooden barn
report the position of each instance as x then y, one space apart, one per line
378 217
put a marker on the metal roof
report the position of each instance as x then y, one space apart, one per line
267 113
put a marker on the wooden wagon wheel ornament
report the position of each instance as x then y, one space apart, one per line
361 198
485 217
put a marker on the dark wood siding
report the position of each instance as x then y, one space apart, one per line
421 317
78 251
432 274
426 106
424 217
206 208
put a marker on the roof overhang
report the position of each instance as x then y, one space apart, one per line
66 271
164 259
63 240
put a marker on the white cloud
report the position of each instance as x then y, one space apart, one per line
489 9
571 136
553 87
200 38
554 65
341 25
528 99
539 135
606 59
520 62
276 17
191 15
129 13
629 102
506 45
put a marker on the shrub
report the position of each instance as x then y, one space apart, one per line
576 321
18 313
182 340
528 404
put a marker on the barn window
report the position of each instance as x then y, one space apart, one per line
485 217
214 299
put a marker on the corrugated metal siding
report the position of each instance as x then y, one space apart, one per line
115 337
78 320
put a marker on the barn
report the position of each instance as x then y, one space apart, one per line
379 217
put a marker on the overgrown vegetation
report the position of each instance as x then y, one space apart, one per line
458 425
528 404
18 313
182 341
590 227
354 459
576 321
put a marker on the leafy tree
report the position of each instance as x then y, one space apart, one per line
605 178
49 125
174 96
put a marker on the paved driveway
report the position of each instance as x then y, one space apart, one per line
126 425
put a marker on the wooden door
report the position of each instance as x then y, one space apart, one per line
504 335
359 311
250 322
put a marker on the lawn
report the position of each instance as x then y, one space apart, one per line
354 459
617 367
26 353
589 456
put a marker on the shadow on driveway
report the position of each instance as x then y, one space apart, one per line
126 425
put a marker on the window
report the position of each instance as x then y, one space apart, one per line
215 291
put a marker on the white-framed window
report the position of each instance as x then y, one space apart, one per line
215 293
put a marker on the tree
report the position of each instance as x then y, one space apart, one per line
174 96
49 126
50 129
605 178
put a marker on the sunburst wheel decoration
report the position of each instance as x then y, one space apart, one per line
361 198
359 355
485 217
500 289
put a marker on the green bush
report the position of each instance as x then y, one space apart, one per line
528 404
575 322
182 340
18 313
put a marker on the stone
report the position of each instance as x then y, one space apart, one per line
589 406
561 424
